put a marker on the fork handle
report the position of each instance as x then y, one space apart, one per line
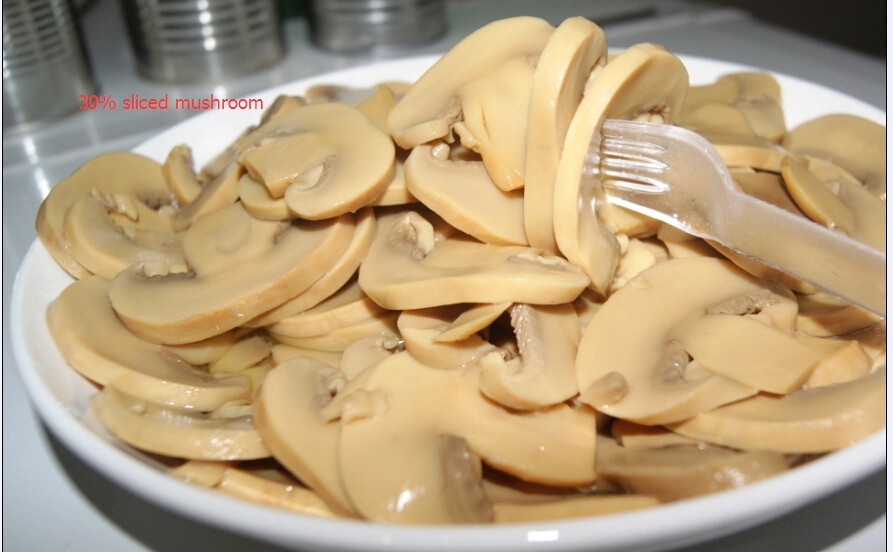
825 258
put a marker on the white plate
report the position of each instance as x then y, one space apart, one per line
61 397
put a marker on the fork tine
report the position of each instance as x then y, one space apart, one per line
631 164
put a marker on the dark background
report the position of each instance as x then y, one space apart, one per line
857 24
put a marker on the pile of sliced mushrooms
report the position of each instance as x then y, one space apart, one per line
406 304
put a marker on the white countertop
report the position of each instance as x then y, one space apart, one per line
54 502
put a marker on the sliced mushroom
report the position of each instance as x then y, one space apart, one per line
180 433
636 256
748 151
365 352
487 78
330 282
767 186
413 265
282 353
569 508
412 444
205 351
841 360
346 307
396 193
643 82
383 324
471 321
287 414
420 328
218 294
221 191
325 159
96 344
543 375
574 54
808 421
684 471
117 172
631 336
257 200
246 352
633 435
180 175
463 194
855 143
104 248
825 315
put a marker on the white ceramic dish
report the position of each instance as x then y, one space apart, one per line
61 397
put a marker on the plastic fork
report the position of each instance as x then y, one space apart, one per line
675 175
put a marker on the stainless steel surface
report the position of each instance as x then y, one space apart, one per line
356 25
203 40
45 69
53 502
676 176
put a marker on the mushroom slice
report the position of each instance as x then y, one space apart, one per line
825 315
218 294
365 352
346 307
643 82
488 78
715 117
116 172
384 324
762 270
96 344
204 351
684 471
402 463
631 337
180 433
221 191
767 186
633 435
287 414
396 193
636 256
543 375
569 508
105 248
282 353
842 360
855 143
463 194
576 51
325 159
739 151
471 321
814 420
410 266
246 352
180 175
748 351
420 328
257 200
330 282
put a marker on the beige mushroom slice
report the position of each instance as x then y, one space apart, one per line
116 172
396 193
384 324
644 82
246 352
186 434
739 151
412 265
629 340
104 248
814 420
287 415
632 435
825 315
748 351
767 186
419 329
462 193
764 115
241 481
487 78
221 191
204 351
363 353
569 508
763 271
746 103
842 360
636 256
96 344
395 464
586 305
257 200
346 307
180 175
324 159
543 375
472 320
336 277
716 117
855 143
575 52
684 471
282 353
219 293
